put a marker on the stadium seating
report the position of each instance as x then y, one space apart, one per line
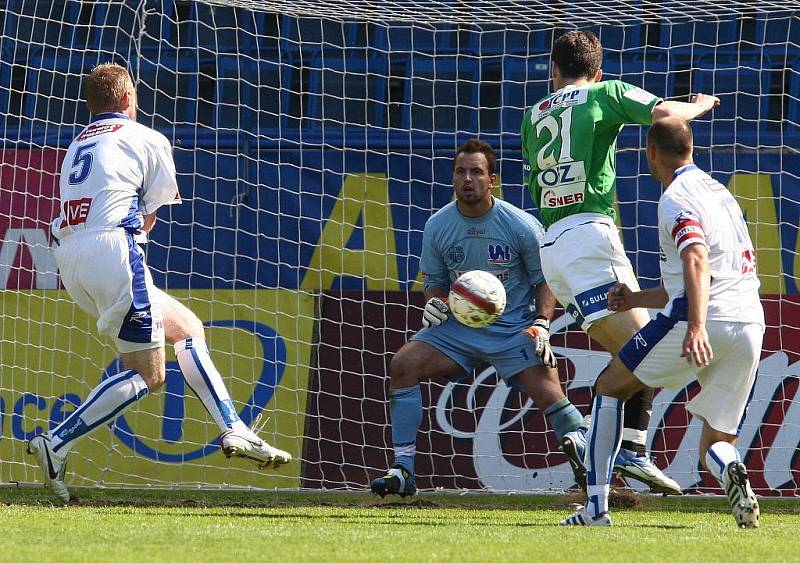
743 91
525 80
249 94
347 92
442 94
167 90
237 70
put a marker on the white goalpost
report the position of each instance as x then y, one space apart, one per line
312 142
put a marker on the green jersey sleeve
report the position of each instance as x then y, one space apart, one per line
625 103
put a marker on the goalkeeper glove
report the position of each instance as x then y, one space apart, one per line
435 312
540 333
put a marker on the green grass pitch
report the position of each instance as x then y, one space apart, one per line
226 526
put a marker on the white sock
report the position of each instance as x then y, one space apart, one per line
602 444
203 378
719 456
104 403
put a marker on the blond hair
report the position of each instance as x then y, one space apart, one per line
105 86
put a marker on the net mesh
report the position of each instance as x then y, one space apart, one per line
312 141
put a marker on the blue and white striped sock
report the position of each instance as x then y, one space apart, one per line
104 403
719 456
602 444
205 381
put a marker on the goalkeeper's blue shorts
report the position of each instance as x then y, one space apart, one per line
509 353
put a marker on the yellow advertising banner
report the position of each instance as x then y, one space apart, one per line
51 358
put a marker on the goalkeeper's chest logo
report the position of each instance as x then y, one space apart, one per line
455 254
499 254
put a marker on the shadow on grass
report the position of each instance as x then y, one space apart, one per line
438 521
658 526
469 503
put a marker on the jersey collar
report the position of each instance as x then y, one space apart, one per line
479 217
683 169
109 115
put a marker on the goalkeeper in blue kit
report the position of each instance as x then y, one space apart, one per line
476 232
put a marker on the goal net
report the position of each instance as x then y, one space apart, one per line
312 141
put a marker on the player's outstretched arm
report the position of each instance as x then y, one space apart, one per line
622 298
545 301
699 104
539 331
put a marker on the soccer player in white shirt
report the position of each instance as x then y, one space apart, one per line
712 317
115 176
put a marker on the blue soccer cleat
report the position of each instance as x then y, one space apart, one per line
630 465
627 464
397 481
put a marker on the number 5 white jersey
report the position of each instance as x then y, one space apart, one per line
695 208
113 172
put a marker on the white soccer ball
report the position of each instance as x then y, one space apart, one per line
477 298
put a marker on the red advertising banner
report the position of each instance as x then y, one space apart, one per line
481 434
28 202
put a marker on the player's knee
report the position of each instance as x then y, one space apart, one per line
149 364
603 385
187 326
154 377
402 370
541 383
616 381
608 387
195 327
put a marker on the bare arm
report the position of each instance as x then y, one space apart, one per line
700 104
545 301
149 222
539 331
696 279
621 298
436 291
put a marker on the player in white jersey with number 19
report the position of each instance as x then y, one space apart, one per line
712 317
115 176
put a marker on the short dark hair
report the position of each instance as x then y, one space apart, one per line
476 145
672 136
578 54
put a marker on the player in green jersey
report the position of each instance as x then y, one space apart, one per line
569 142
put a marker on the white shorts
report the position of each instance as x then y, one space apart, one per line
654 357
582 257
106 275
